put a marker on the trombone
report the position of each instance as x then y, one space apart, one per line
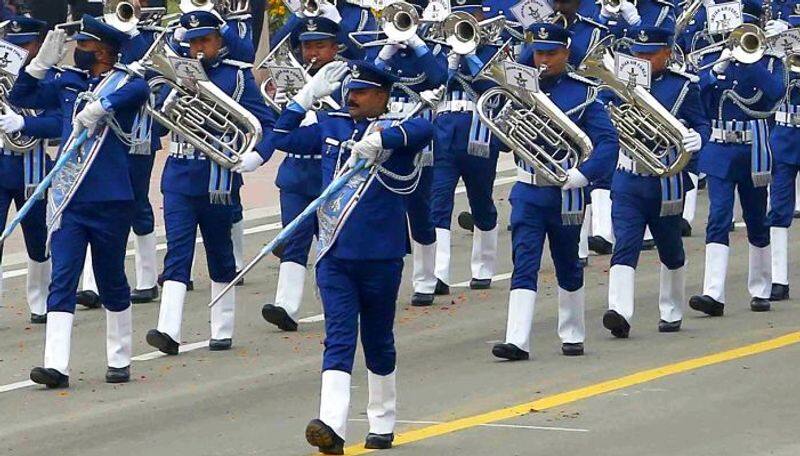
399 21
123 15
747 44
463 33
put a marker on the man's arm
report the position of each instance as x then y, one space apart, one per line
596 123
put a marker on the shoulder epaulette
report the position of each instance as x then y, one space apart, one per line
342 114
582 79
592 22
679 72
238 64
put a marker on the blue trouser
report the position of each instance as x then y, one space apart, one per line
530 224
238 210
782 194
478 174
141 167
34 225
182 215
423 230
359 292
104 226
296 248
631 213
754 210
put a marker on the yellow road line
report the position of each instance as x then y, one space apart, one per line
586 392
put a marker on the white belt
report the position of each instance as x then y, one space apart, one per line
787 119
721 135
533 179
304 157
456 106
628 164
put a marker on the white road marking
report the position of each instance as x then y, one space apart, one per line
497 278
490 425
16 386
312 319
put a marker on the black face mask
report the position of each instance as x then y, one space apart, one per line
84 59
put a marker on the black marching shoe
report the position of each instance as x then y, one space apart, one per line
422 299
162 342
442 289
707 305
796 214
321 435
37 319
669 326
686 228
118 374
241 281
617 324
510 352
574 349
278 317
649 244
583 262
779 292
466 222
759 305
378 441
50 378
143 296
88 299
480 284
701 183
600 246
220 344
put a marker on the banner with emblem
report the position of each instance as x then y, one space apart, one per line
12 58
787 43
530 12
632 71
723 17
436 11
521 76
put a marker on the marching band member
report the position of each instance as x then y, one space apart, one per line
351 15
464 148
539 209
654 13
101 210
21 173
300 182
198 192
643 200
739 97
420 68
782 194
360 270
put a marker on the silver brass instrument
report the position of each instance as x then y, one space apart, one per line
399 21
690 10
463 33
123 15
282 57
647 130
209 119
747 44
225 8
15 142
536 129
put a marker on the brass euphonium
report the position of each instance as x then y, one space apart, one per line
281 58
647 130
536 129
15 142
209 119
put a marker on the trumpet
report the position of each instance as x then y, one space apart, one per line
647 130
463 33
399 22
15 142
282 59
209 119
538 132
747 44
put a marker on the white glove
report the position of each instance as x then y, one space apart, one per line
453 60
329 11
89 117
415 42
369 148
725 60
630 13
179 34
775 28
280 97
324 83
389 50
575 179
248 163
692 142
432 97
11 122
605 12
50 53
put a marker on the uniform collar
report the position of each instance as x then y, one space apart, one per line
547 84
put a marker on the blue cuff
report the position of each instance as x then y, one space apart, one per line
474 63
293 106
421 50
380 63
106 104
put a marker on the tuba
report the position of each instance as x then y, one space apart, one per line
209 119
15 142
282 60
537 131
647 130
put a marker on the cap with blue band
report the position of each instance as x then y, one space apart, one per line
199 23
317 28
93 29
650 39
365 75
21 30
548 37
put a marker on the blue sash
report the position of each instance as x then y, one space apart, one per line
35 165
761 154
671 189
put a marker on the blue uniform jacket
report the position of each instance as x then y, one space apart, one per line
653 13
190 176
108 179
585 33
761 82
785 140
678 94
569 92
377 228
